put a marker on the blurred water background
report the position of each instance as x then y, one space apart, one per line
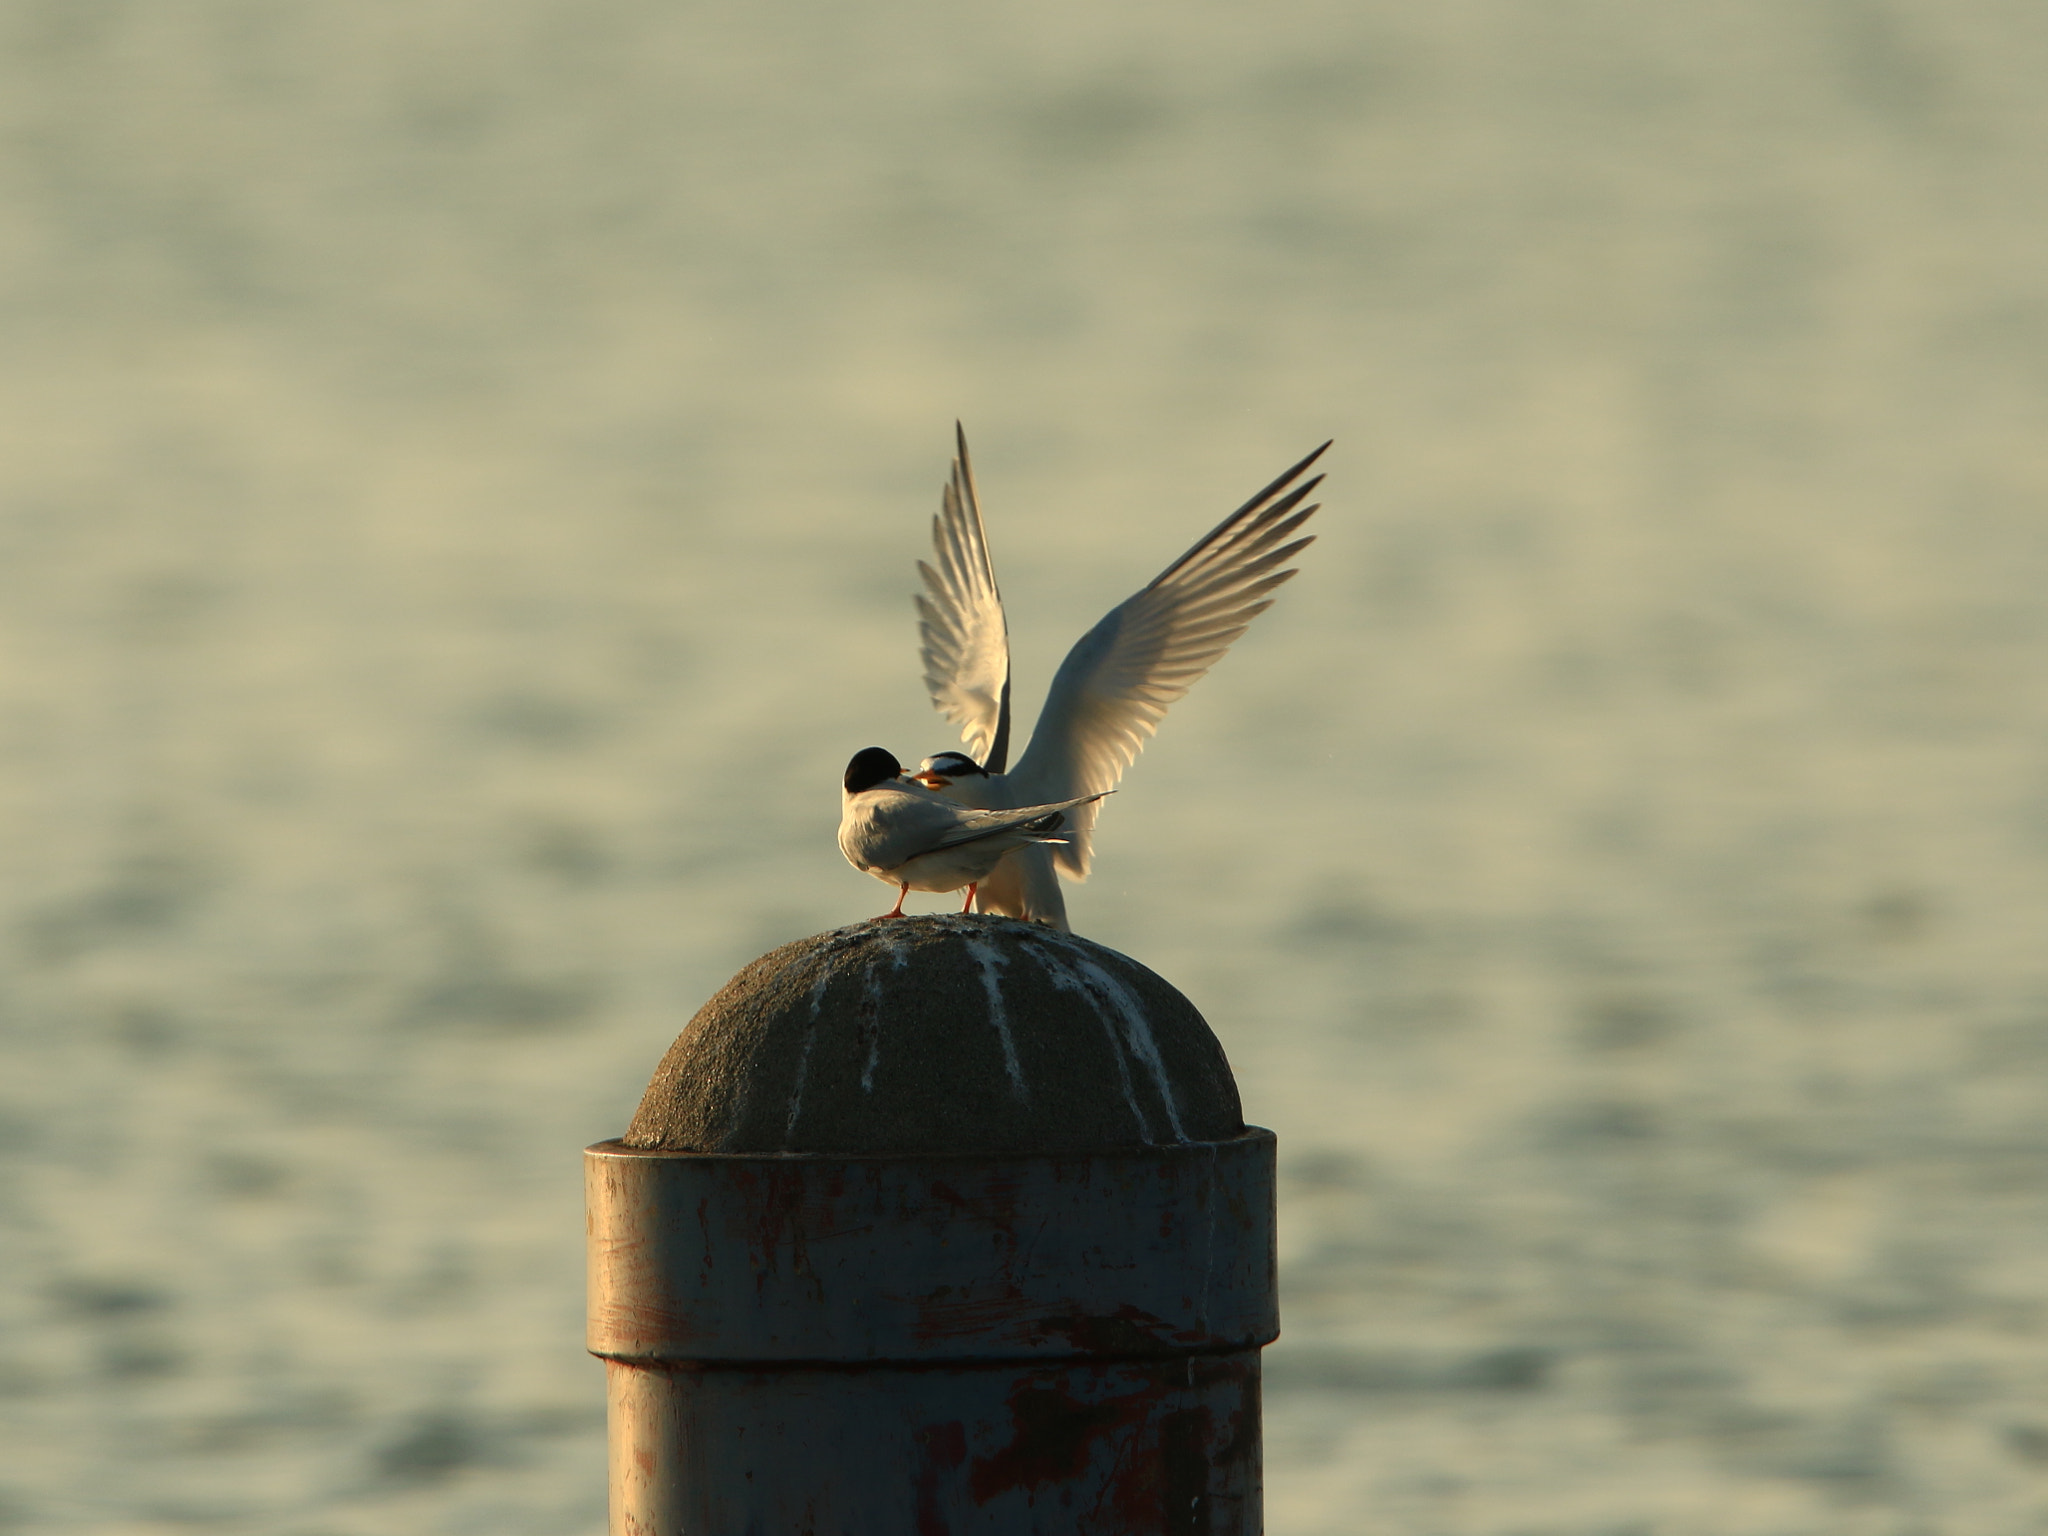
463 466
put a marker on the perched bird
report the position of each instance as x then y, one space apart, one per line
1110 693
918 840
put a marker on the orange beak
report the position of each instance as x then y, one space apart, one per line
932 780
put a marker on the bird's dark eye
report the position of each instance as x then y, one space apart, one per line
870 766
955 764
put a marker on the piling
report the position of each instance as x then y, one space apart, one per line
942 1226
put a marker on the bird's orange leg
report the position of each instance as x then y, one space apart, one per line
969 904
897 910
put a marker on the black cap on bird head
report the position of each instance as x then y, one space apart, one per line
952 765
870 766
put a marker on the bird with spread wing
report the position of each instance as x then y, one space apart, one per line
1112 690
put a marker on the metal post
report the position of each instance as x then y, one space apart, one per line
981 1338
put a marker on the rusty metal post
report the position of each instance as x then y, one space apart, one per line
1023 1289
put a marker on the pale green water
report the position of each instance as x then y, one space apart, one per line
463 468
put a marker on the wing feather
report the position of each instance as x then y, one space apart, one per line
960 621
1120 678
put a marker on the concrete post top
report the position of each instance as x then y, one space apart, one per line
954 1034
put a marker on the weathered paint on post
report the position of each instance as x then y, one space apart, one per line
946 1344
1134 1251
1167 1445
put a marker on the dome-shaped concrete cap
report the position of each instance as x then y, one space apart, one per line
940 1034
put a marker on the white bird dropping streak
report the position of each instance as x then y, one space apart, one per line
871 1024
1129 1029
991 960
803 1055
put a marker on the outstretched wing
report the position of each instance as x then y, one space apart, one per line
1115 685
960 619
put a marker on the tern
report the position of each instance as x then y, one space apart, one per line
915 838
1112 690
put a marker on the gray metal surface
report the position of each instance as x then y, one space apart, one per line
708 1257
1078 1448
915 1232
946 1346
